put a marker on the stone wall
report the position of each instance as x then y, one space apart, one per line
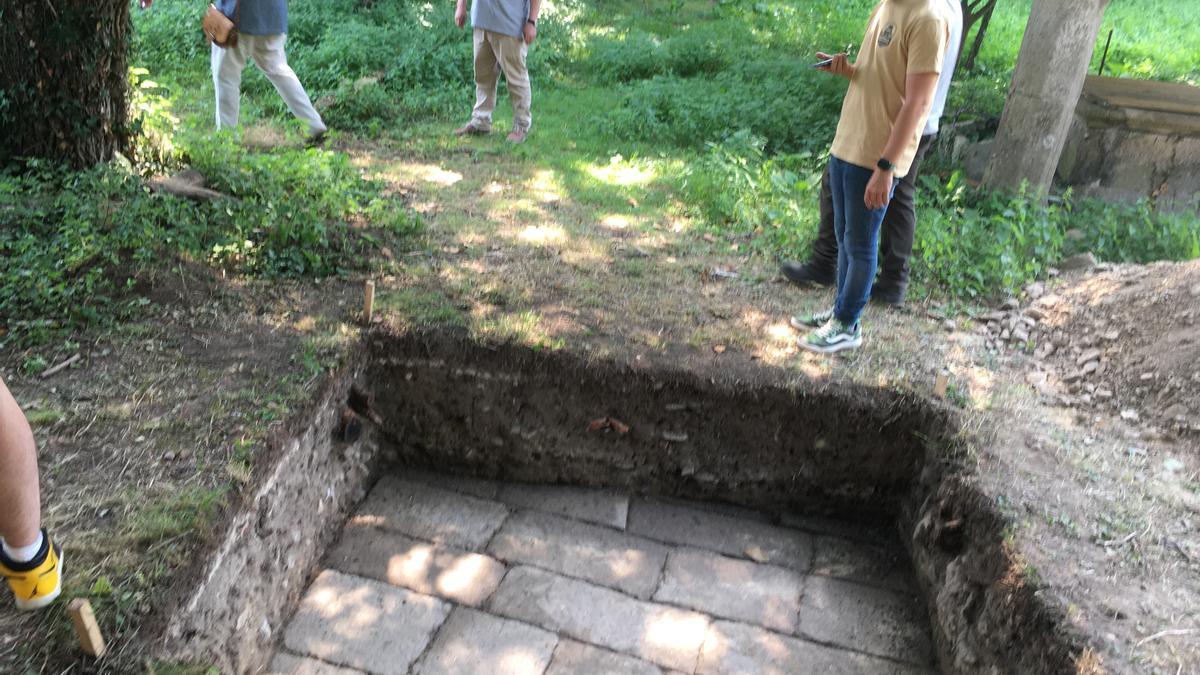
255 576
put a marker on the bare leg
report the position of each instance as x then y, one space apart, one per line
20 498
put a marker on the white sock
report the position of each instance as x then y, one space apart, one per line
22 553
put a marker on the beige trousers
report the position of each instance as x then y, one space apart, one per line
494 53
267 53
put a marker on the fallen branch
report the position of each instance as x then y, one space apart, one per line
1126 539
60 367
1167 633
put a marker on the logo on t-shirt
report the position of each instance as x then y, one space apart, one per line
885 38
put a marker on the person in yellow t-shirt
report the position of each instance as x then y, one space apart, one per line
29 561
892 85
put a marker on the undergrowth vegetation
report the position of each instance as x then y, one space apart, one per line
73 242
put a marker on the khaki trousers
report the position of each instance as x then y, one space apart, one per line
494 53
267 53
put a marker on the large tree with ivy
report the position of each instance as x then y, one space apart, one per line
63 79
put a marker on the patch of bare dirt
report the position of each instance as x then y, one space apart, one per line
1095 460
1120 340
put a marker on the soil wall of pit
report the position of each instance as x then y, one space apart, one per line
512 413
254 577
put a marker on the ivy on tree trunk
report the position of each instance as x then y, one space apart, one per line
64 80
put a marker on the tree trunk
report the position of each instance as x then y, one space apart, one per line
1046 84
63 80
987 19
973 11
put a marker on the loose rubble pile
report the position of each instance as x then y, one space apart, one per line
1117 338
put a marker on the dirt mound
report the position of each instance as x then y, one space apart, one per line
1116 338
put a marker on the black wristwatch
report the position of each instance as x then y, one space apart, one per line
884 164
531 22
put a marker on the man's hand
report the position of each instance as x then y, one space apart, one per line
145 4
460 14
879 189
840 66
530 33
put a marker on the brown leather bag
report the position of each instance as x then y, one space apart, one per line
220 29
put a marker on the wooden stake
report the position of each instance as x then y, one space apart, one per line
90 639
941 383
368 301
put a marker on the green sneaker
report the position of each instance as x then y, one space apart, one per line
806 321
834 336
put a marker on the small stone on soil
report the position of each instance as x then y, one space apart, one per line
1089 355
1130 415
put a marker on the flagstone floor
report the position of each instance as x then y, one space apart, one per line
440 574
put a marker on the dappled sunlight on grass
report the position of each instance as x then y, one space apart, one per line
622 172
542 235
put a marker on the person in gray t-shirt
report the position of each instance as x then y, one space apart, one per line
503 31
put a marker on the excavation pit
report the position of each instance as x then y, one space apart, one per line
574 514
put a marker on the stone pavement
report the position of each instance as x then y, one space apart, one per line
442 574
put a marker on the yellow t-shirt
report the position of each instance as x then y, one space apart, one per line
903 37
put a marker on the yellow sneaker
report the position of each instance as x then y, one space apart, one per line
38 582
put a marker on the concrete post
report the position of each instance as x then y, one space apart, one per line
1046 84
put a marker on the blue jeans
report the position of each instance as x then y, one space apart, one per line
857 230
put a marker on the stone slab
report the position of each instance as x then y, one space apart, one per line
723 508
868 619
764 595
676 524
662 635
453 574
877 565
476 487
474 643
738 649
577 658
574 549
364 624
289 664
594 506
870 532
433 514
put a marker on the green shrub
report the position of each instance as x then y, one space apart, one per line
636 55
734 185
974 245
1134 233
73 242
792 108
